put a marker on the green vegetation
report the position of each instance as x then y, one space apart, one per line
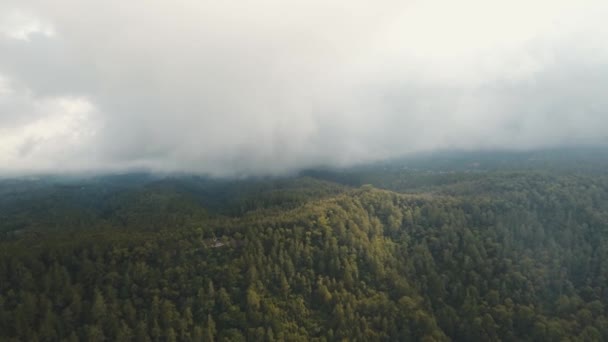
434 256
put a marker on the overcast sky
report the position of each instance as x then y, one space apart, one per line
264 87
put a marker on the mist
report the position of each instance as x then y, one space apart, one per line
270 87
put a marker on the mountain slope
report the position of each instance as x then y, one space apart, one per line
366 264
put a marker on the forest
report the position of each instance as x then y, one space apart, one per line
492 247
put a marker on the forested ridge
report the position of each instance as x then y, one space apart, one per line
463 256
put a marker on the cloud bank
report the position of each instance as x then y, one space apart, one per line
268 86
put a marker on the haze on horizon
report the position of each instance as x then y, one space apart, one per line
269 86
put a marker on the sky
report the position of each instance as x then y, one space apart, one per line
273 86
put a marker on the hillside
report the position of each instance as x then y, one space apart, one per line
507 256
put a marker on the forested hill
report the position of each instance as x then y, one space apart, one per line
501 255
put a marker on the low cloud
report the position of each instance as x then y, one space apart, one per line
266 87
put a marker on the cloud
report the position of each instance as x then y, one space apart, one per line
51 132
15 24
267 87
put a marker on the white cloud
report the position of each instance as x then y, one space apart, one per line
16 24
269 86
5 88
54 134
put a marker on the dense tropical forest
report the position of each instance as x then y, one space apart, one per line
461 247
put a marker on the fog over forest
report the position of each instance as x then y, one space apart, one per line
267 87
303 170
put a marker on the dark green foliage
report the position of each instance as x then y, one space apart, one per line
500 256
